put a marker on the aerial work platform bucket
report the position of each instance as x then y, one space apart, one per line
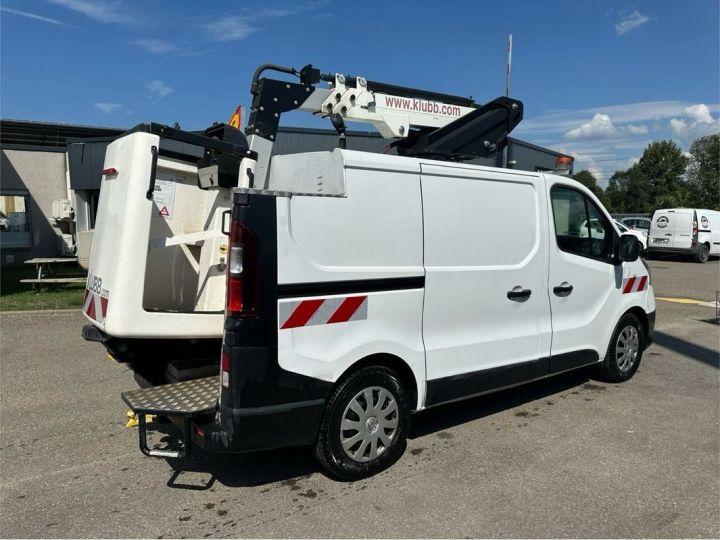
157 266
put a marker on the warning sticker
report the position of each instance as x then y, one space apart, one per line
164 197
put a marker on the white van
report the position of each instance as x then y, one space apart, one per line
346 313
351 289
685 231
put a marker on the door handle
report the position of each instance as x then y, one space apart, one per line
564 289
153 172
518 294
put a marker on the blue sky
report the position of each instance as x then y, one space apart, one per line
599 79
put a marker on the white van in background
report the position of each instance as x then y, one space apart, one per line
685 231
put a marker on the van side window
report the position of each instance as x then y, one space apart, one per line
570 217
600 233
580 227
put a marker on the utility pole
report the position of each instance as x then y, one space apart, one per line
508 68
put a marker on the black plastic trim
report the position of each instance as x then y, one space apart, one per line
264 428
470 384
572 360
91 332
294 290
651 329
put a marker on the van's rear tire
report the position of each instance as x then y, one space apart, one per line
624 351
365 425
703 254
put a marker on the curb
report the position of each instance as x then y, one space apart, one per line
42 311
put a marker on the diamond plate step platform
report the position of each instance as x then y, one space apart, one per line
188 398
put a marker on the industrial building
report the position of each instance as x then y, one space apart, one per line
50 179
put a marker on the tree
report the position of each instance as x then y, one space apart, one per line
655 181
629 192
587 179
615 192
703 175
663 164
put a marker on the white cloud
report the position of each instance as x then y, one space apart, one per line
678 127
100 10
237 27
158 89
639 129
156 46
599 127
636 125
630 20
229 29
31 16
108 108
699 113
655 112
698 122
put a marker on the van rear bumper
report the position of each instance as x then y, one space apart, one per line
674 251
264 406
262 428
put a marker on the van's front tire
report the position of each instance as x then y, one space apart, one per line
365 426
624 351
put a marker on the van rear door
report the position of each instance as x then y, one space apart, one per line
662 229
683 231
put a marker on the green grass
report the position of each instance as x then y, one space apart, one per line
16 296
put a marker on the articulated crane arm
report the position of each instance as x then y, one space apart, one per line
423 123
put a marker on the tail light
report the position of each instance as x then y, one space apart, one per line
225 370
242 272
695 233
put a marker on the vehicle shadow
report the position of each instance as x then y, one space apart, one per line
686 348
200 470
443 417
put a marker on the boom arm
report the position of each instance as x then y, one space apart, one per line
423 123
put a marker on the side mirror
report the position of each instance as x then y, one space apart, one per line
629 248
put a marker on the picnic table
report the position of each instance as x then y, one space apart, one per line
47 268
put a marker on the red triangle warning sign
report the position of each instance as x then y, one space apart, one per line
164 211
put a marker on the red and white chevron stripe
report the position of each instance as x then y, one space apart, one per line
95 306
322 311
634 284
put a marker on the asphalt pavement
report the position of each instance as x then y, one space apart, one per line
565 457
